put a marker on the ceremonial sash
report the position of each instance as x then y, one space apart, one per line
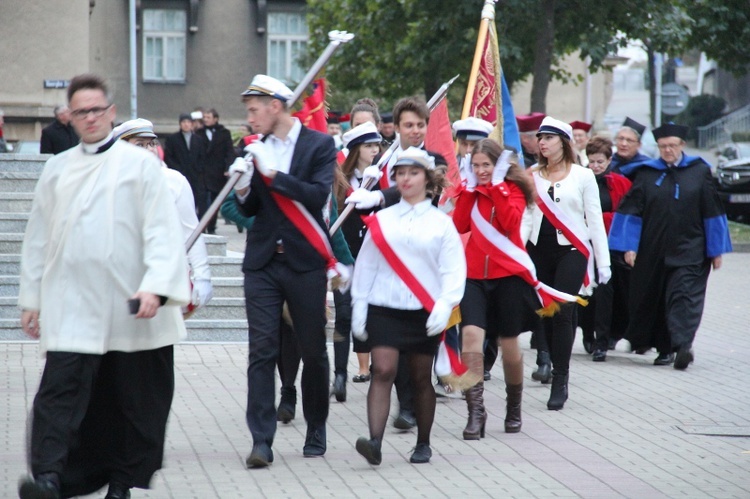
577 235
448 365
515 261
306 224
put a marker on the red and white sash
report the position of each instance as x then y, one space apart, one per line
577 235
306 224
448 364
513 259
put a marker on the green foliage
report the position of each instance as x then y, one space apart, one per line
700 111
722 30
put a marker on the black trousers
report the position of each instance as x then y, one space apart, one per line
305 293
562 268
685 296
98 418
210 197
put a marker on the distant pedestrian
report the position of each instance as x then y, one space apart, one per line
673 230
185 151
628 158
3 143
60 135
219 155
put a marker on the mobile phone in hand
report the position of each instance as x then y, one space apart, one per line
134 305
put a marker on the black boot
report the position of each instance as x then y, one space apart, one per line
559 392
339 387
287 404
475 398
544 371
44 486
117 490
514 393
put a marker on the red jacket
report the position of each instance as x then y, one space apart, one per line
508 202
618 186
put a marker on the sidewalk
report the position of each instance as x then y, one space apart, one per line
630 429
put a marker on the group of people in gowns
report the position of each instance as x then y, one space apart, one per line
536 239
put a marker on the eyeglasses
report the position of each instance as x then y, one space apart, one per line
98 112
665 147
153 144
626 140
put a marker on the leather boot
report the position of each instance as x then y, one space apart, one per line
475 397
559 392
544 369
513 407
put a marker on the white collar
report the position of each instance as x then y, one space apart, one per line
94 148
404 207
293 134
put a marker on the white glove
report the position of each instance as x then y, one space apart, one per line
501 167
344 281
438 319
202 292
371 172
359 320
244 166
471 179
262 157
605 274
362 199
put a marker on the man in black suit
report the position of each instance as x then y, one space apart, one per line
185 151
58 136
219 156
281 264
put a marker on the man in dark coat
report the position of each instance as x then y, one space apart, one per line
58 136
185 151
293 163
672 227
628 158
219 156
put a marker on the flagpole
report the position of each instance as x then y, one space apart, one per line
488 14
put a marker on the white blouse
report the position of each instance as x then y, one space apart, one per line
427 242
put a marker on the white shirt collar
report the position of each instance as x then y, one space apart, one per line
292 136
93 148
404 207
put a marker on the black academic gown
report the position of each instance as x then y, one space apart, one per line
673 218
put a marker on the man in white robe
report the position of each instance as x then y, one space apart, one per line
103 229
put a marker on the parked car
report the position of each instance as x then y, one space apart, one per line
733 179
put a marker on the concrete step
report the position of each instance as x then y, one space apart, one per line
13 223
215 245
32 163
9 286
217 309
18 181
15 202
10 265
216 330
10 244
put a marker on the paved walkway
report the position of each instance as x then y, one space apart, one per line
630 429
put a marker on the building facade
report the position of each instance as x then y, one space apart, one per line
189 54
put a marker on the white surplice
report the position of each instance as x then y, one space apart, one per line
102 227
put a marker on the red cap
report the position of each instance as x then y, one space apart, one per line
529 122
345 118
581 125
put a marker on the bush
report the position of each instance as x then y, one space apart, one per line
700 111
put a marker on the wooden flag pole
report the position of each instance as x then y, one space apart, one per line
481 40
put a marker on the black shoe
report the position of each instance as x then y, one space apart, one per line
240 229
361 378
315 441
286 409
339 388
370 449
260 457
544 369
44 487
117 490
664 359
487 375
684 358
599 355
422 454
405 421
611 344
588 343
558 393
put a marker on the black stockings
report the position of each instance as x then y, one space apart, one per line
384 367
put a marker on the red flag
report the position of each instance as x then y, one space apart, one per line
439 139
313 112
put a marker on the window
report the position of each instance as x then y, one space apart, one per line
287 40
164 45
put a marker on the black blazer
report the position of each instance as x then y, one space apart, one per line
189 162
57 138
309 182
219 156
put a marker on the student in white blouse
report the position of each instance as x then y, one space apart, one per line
387 311
570 189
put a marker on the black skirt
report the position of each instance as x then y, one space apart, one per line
504 307
403 330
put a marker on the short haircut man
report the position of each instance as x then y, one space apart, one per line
102 230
